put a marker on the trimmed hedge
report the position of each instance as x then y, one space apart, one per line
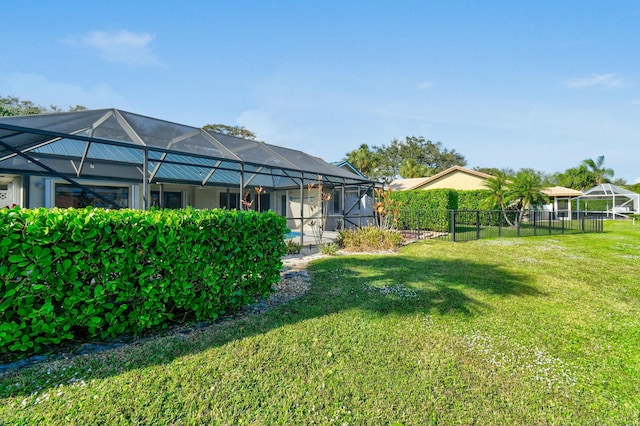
435 201
472 200
431 199
80 273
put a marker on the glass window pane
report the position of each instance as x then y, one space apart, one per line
70 196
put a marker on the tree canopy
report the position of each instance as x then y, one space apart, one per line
409 158
519 192
364 159
587 174
12 105
237 131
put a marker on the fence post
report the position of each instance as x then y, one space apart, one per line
499 225
518 225
453 225
582 223
477 224
419 233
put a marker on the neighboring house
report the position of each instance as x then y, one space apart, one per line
462 179
455 177
560 200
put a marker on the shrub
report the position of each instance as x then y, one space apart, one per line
80 273
330 249
293 247
368 239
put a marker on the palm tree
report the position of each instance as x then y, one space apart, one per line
498 191
363 159
576 177
526 189
599 173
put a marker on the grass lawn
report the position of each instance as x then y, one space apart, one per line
537 330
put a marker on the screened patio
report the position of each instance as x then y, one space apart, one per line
611 200
85 152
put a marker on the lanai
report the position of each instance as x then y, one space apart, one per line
110 144
619 201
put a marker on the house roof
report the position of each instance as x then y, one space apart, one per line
115 143
415 183
407 184
346 165
608 189
561 191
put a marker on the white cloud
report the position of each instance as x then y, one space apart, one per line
425 85
120 46
38 89
609 81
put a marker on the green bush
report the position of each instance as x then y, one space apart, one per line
435 202
368 239
330 249
472 200
293 247
80 273
432 199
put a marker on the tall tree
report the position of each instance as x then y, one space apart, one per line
493 171
525 190
412 157
600 173
363 159
576 177
412 169
237 131
12 105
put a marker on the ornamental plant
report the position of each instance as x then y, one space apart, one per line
319 210
386 209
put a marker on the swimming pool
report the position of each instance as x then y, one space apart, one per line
291 234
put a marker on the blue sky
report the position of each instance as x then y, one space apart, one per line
540 84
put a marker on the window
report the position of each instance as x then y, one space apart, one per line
336 197
265 202
72 196
170 199
229 200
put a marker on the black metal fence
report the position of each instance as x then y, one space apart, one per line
467 225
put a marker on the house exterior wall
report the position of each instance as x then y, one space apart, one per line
288 203
457 180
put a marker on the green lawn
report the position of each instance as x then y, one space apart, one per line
537 330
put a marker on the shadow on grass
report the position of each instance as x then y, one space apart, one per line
382 285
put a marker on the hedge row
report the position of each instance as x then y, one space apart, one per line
74 274
430 209
434 201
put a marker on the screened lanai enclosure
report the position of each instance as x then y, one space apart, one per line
116 159
610 200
